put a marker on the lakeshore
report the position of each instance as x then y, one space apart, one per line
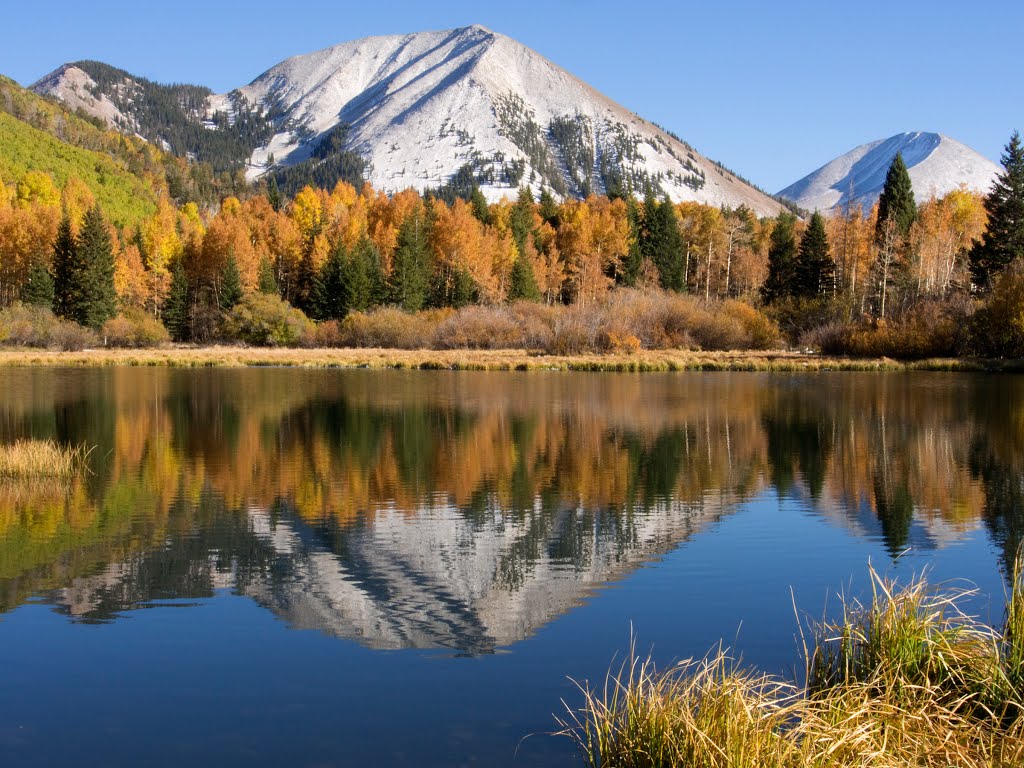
225 356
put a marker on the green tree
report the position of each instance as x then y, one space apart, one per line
96 272
522 282
664 242
815 270
65 265
38 288
330 301
230 285
175 308
273 195
363 276
633 259
410 272
897 200
267 282
1003 241
479 204
548 209
782 260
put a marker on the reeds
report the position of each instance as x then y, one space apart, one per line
906 679
41 459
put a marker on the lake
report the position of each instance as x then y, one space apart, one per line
267 567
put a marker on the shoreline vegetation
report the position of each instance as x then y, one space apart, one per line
226 356
907 678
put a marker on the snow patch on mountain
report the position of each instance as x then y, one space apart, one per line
937 165
74 87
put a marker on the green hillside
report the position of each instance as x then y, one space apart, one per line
125 198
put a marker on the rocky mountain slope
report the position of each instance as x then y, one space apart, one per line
937 165
417 110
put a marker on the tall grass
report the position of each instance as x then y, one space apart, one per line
908 678
41 459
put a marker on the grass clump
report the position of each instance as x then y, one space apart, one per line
41 459
908 678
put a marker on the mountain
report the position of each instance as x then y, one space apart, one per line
38 136
937 165
421 110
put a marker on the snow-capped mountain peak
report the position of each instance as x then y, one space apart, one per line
937 165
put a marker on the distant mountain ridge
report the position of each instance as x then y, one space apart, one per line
937 165
417 110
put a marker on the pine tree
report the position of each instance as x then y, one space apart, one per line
330 300
175 308
1003 241
267 282
364 277
664 243
230 285
782 260
479 204
273 195
522 282
38 288
548 208
96 260
633 260
815 269
65 266
897 200
521 219
410 272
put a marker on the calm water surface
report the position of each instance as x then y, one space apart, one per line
349 568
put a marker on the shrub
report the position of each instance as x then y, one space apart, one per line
997 329
67 336
392 328
134 328
479 327
265 320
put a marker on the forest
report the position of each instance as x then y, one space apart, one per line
342 266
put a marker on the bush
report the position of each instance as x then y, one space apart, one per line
927 329
134 328
392 328
67 336
25 325
997 329
267 321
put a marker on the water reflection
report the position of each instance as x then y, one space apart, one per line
465 511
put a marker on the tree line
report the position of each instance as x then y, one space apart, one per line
331 252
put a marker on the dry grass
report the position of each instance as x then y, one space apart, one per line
41 459
474 359
907 679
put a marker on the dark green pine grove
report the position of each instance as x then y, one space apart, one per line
782 255
410 271
814 275
84 272
1003 242
176 305
231 290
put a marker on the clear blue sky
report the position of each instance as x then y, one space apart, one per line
772 89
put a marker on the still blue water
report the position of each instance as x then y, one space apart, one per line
333 568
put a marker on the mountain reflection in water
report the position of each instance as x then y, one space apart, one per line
465 511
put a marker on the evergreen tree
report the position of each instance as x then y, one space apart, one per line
897 200
815 270
479 204
330 301
664 244
782 260
273 196
633 260
410 271
463 290
230 285
267 282
522 281
38 288
96 262
1003 241
363 277
65 265
548 209
521 219
175 308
